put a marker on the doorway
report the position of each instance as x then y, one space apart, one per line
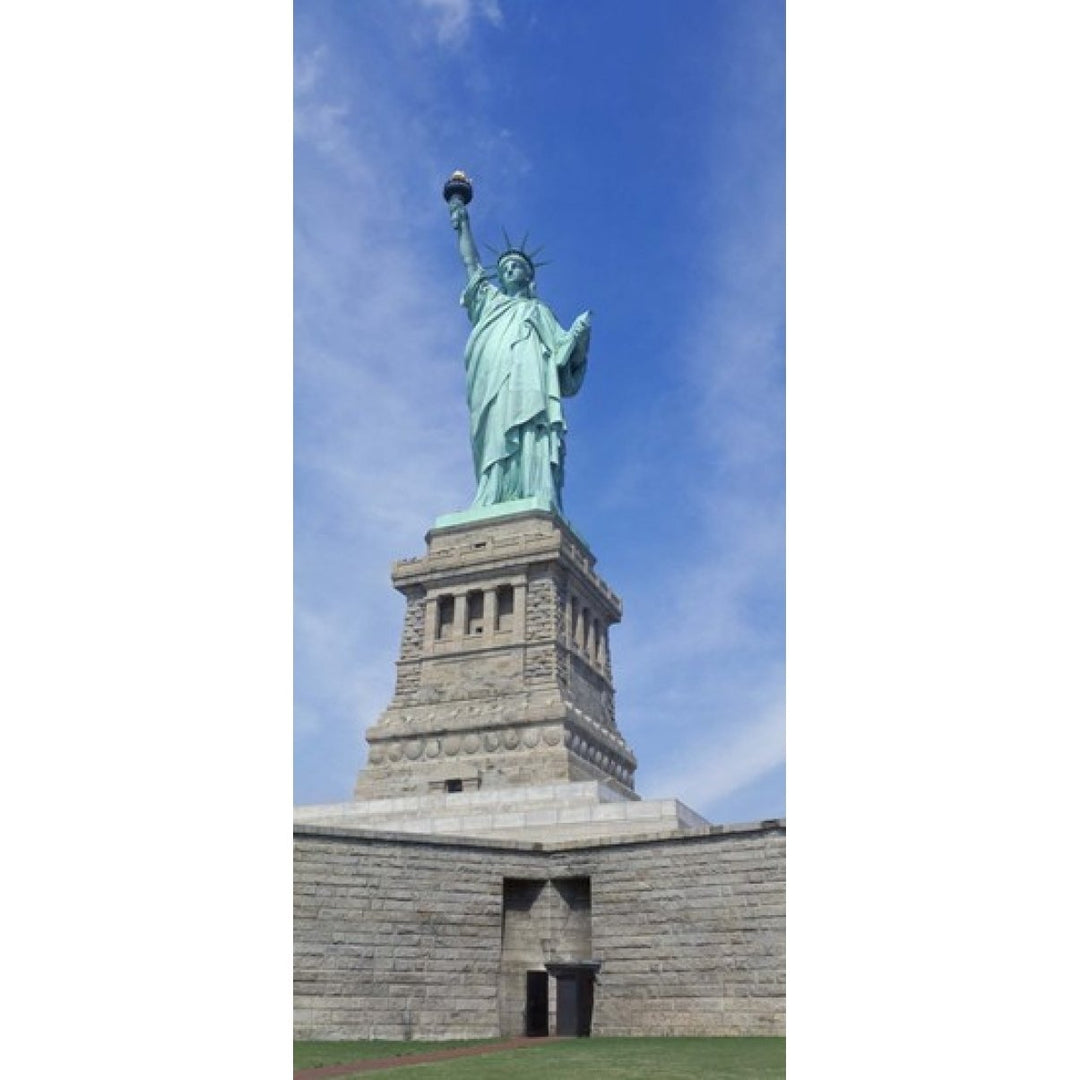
536 1003
574 998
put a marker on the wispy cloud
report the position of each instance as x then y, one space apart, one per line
732 759
706 659
453 19
382 445
707 662
371 372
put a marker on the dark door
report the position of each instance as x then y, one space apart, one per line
567 1006
536 1003
574 998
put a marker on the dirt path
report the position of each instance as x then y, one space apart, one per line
374 1064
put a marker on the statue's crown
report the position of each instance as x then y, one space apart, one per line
518 251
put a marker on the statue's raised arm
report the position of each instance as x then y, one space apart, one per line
519 365
458 193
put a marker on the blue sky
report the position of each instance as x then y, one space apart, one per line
645 152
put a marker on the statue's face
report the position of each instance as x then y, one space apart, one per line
514 274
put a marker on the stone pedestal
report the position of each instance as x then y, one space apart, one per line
504 676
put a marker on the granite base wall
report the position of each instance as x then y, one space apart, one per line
401 937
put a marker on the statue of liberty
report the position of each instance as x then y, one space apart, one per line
519 365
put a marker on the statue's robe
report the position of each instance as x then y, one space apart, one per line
519 364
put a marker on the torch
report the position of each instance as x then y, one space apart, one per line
457 191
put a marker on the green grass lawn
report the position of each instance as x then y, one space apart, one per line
591 1059
312 1055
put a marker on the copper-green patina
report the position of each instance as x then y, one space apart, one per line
519 365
